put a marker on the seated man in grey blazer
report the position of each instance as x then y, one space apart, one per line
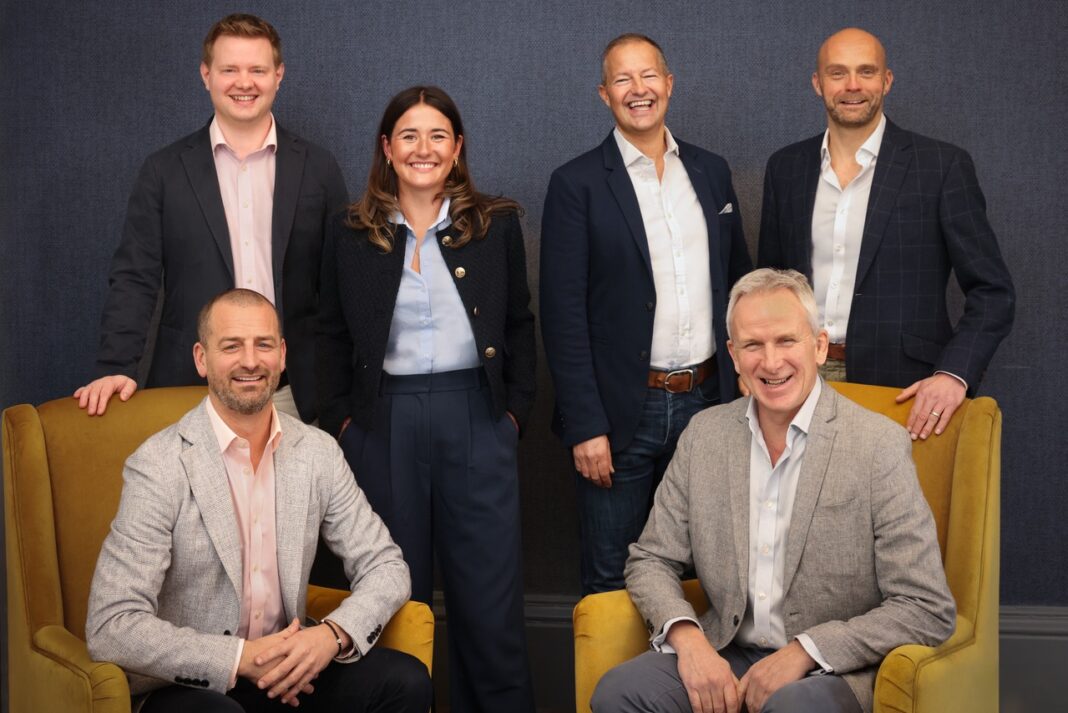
200 588
802 516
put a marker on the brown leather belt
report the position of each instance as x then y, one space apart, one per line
836 351
680 381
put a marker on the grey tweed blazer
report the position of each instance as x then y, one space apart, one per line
863 572
165 599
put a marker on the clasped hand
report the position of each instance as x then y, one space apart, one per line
285 663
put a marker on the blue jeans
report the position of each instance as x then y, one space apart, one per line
612 518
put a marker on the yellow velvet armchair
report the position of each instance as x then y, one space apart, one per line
62 479
960 473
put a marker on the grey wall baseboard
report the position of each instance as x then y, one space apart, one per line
1034 647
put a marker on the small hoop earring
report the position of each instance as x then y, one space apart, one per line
389 161
456 162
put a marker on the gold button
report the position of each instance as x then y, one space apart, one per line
475 311
490 352
446 241
459 272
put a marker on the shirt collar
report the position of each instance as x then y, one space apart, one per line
802 419
630 152
225 435
215 134
443 219
868 151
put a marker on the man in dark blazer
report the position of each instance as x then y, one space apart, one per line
641 241
241 202
877 217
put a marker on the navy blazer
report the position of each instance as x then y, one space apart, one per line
926 216
359 293
597 291
176 238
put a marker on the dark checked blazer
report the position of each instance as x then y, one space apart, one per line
357 297
176 240
926 216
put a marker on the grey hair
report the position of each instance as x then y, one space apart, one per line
767 279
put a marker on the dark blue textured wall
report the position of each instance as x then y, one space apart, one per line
88 89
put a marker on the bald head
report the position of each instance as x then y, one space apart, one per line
851 39
852 78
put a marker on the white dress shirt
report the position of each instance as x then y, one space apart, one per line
677 234
771 504
837 230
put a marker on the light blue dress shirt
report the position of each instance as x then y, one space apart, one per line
430 331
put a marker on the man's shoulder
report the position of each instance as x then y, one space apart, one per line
715 419
920 144
865 428
703 156
287 137
795 151
583 164
198 138
312 439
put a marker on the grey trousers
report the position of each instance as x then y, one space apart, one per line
651 684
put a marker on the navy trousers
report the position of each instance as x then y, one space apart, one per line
441 471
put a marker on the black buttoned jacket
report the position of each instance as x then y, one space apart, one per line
359 292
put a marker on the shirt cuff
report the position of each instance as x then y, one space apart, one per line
947 373
659 642
237 664
812 650
351 653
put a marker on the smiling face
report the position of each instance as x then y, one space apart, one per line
775 352
423 147
242 79
852 78
242 356
637 88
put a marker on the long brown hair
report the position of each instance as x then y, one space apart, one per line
470 210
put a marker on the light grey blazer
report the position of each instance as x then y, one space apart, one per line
863 572
165 599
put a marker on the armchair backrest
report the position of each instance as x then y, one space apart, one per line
63 476
959 472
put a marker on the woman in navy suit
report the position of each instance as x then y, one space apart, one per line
426 370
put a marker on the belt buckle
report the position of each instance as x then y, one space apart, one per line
691 372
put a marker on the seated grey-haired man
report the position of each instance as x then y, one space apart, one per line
802 516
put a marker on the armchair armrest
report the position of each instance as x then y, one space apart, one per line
411 629
952 676
69 679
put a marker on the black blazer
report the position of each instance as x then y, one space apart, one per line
597 291
359 292
926 216
176 238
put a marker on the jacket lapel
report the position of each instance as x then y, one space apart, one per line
291 495
623 190
211 490
890 170
810 481
738 469
200 168
804 202
709 207
288 173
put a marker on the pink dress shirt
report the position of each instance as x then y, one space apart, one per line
253 495
247 188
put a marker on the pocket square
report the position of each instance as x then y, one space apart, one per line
729 208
